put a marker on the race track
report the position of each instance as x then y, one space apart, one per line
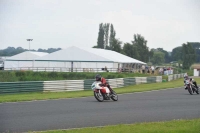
87 112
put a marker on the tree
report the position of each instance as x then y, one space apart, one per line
49 50
196 46
188 55
151 53
106 34
158 58
100 40
138 49
177 54
112 35
10 51
95 47
116 45
167 57
130 50
141 45
103 36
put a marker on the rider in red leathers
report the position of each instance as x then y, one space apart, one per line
103 81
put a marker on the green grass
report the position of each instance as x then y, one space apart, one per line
73 94
175 126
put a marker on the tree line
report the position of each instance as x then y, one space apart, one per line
187 54
137 48
10 51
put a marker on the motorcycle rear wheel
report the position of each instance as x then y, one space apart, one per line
197 90
98 96
114 96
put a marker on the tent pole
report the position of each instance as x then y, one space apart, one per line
72 66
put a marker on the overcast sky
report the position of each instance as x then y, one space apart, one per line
63 23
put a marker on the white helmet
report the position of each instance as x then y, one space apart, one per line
185 75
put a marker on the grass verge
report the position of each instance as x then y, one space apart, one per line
174 126
74 94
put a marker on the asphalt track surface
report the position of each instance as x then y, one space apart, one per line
152 106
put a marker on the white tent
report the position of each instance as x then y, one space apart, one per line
84 59
24 59
112 55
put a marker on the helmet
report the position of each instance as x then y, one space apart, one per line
185 76
98 77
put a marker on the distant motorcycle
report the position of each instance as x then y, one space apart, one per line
103 93
191 87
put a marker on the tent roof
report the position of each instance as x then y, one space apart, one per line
73 54
112 55
78 54
195 66
27 55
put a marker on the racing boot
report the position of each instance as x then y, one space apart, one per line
185 87
107 96
111 92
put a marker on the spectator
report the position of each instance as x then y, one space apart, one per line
106 69
147 69
143 68
161 71
152 69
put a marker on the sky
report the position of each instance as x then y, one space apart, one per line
63 23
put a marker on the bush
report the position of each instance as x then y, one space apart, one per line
190 72
10 76
165 78
6 76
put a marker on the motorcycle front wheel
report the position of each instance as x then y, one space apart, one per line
114 96
98 96
190 90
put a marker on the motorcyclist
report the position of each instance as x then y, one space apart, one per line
103 82
186 77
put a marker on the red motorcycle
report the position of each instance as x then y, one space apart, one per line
102 93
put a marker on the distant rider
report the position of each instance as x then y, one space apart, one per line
103 82
187 78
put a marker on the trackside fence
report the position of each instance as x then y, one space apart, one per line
19 87
175 76
74 85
